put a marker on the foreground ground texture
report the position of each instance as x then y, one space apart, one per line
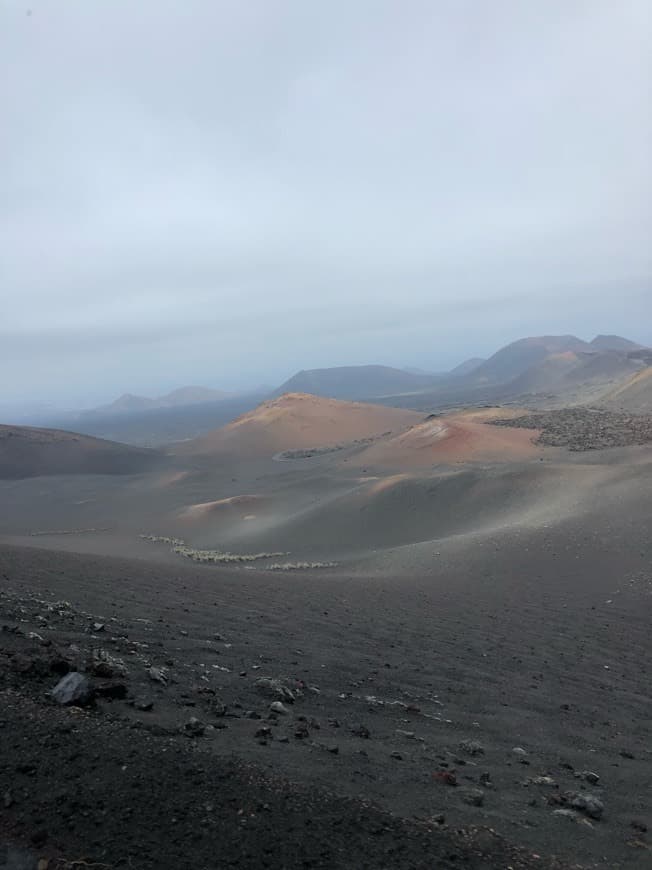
493 712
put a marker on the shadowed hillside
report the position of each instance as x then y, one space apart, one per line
534 370
468 366
517 357
155 426
30 452
615 342
356 382
181 397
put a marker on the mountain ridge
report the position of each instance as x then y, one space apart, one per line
129 403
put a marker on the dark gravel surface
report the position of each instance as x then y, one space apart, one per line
581 429
403 757
80 789
86 786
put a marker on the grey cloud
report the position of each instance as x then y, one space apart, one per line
204 190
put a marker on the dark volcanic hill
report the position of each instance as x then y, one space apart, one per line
634 395
181 397
603 367
546 374
564 365
614 342
191 396
156 426
125 404
468 366
516 358
560 373
29 452
356 382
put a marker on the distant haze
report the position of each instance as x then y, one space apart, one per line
224 193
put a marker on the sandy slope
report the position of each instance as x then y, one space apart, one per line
441 477
452 438
238 506
634 395
298 420
366 519
28 452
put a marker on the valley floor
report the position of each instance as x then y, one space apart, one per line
455 716
463 681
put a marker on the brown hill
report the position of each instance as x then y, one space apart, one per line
458 438
299 420
29 452
634 395
516 358
547 374
565 372
602 368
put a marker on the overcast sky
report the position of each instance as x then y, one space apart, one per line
225 192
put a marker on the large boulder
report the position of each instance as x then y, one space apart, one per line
275 689
73 689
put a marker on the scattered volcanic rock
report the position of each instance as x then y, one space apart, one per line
157 675
75 689
472 747
473 796
361 730
279 707
580 429
194 728
274 688
588 804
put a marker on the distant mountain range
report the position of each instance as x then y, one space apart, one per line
559 363
529 365
370 382
356 382
181 397
559 369
534 364
514 359
551 368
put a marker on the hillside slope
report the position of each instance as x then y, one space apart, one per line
615 342
568 372
468 366
299 420
634 396
181 397
29 452
356 382
516 358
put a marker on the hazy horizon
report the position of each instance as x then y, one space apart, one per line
31 408
223 194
